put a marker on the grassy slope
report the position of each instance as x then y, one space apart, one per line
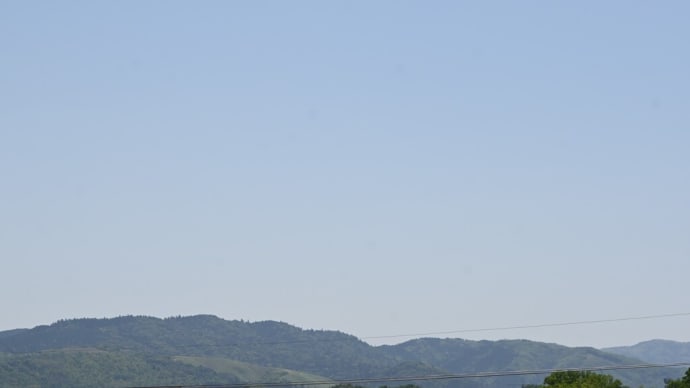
246 372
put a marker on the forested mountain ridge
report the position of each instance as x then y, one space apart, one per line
655 351
222 350
267 343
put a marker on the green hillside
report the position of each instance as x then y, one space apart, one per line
204 348
97 368
269 343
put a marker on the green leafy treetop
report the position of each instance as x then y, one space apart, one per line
383 386
576 379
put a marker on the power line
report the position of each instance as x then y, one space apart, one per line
478 375
534 326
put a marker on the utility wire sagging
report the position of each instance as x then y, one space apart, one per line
426 377
433 333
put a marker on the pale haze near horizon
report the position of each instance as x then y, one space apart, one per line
377 168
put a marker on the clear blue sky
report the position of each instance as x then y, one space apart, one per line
373 167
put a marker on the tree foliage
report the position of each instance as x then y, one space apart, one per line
577 379
683 382
383 386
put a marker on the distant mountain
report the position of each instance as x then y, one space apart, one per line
206 349
655 351
464 356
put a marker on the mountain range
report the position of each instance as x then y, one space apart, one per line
204 349
656 351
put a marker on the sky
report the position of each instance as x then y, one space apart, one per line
378 168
